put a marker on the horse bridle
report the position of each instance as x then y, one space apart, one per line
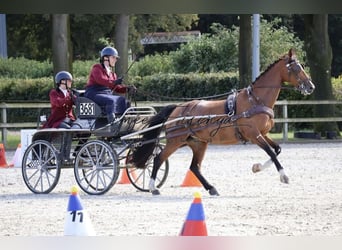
294 67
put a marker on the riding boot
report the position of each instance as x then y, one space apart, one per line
110 118
66 148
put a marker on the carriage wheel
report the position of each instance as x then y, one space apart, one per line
41 167
140 177
96 167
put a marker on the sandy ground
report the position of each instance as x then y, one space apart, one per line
249 204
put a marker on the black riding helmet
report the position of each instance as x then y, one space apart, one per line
108 51
62 75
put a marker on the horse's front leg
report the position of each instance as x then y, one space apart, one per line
263 143
273 144
257 167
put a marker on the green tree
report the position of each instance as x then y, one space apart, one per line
90 33
147 24
121 43
319 56
218 51
245 51
335 35
61 44
29 36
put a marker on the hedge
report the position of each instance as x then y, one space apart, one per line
158 87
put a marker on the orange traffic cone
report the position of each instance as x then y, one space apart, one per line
16 161
191 180
124 177
3 162
77 222
194 224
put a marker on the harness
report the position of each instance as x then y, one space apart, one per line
230 110
257 108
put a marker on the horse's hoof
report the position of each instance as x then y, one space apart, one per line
256 167
284 179
213 192
155 192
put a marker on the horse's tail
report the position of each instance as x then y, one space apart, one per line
142 153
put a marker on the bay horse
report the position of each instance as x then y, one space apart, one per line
246 116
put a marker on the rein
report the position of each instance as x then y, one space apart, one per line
147 94
291 66
170 98
282 87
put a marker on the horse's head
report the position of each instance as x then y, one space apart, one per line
297 76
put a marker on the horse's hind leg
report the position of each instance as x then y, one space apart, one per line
198 148
262 143
157 162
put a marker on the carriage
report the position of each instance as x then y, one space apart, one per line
97 152
133 142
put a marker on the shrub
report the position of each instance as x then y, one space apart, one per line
12 89
165 87
219 51
82 68
23 68
149 65
337 87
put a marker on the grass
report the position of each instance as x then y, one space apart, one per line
279 136
13 139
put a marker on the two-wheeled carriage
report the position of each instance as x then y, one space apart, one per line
97 152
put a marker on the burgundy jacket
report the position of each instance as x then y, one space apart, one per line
61 108
98 76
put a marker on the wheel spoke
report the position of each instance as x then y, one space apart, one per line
41 172
96 167
141 181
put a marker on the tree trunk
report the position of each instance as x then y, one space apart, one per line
319 54
245 51
61 43
121 43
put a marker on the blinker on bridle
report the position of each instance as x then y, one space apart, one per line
294 67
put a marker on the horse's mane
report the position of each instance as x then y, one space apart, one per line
268 68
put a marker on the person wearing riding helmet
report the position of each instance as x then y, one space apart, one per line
62 100
103 83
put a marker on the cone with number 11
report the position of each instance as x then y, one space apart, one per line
77 221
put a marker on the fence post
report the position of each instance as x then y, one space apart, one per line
4 121
285 127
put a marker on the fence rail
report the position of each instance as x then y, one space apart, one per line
4 107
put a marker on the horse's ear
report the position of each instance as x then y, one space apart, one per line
292 54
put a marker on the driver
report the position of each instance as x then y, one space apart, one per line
104 87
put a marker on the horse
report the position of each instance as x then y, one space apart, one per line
245 116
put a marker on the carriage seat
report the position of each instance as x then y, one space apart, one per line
86 108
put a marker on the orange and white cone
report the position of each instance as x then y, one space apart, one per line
3 162
124 176
17 158
191 180
77 221
194 224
